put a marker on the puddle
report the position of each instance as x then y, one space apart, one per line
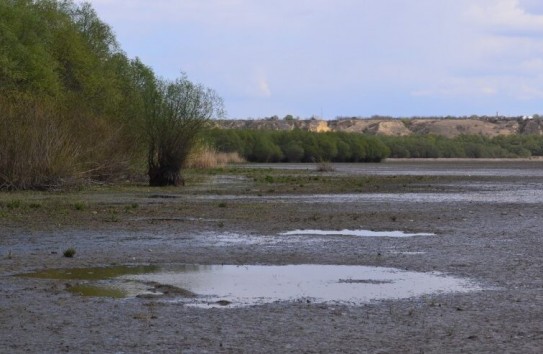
234 286
509 194
408 253
359 233
259 284
225 239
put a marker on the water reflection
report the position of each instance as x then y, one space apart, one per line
231 286
259 284
94 273
510 194
359 233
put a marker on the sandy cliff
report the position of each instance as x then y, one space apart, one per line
449 127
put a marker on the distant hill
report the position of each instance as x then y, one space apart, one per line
448 127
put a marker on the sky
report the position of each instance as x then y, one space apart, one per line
343 58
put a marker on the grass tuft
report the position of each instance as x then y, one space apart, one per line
69 253
80 206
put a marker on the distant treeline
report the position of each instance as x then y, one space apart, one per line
464 146
298 146
304 146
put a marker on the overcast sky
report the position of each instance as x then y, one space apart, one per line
334 58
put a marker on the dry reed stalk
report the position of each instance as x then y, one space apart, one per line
206 157
43 145
37 150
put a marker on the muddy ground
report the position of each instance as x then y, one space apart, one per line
487 217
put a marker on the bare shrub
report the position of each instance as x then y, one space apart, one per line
36 147
106 151
325 167
43 146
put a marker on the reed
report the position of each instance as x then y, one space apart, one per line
204 156
44 146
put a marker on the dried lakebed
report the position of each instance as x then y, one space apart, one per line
487 236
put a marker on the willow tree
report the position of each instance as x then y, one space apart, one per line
176 113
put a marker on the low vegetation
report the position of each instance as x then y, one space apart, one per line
69 253
466 146
298 146
123 204
304 146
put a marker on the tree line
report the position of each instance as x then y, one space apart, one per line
305 146
297 146
73 105
465 146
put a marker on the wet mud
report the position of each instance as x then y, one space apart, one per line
486 229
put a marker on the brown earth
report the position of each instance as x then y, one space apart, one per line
449 127
487 217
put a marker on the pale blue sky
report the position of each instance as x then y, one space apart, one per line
344 57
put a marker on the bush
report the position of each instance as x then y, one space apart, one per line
293 151
298 146
69 253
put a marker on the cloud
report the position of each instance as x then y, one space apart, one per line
264 87
341 56
532 6
514 17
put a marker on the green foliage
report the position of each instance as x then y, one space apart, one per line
14 204
176 112
298 146
293 151
465 146
265 150
303 146
72 104
64 96
69 253
80 206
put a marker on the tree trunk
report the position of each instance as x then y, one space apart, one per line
165 176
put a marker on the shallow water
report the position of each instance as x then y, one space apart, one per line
359 233
509 194
259 284
220 285
422 167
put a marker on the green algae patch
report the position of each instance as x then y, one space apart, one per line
107 282
95 273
